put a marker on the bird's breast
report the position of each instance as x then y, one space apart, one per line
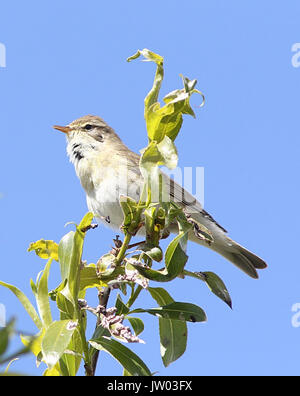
104 184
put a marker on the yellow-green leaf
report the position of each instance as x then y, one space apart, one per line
35 345
56 340
89 277
25 302
128 359
42 296
44 249
152 96
173 333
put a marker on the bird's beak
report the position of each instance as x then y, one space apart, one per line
64 129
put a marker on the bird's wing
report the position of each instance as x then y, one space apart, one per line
222 244
193 207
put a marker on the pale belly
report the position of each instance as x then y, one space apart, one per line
104 201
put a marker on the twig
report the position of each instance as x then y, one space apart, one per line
136 244
103 297
90 227
87 361
123 249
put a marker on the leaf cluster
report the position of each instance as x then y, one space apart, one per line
62 345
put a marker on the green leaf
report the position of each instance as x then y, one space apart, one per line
111 274
123 287
65 249
175 258
177 311
126 373
149 161
42 296
71 362
129 208
121 307
128 359
34 343
189 85
54 372
136 323
25 302
168 152
44 249
135 292
132 275
70 253
149 214
167 120
149 56
33 287
155 155
56 340
214 283
172 125
154 117
75 264
160 295
89 277
65 304
153 252
85 222
172 211
106 261
173 333
152 96
100 332
5 334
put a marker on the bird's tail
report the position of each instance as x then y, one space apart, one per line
242 258
237 254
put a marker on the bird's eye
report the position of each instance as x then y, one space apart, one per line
88 127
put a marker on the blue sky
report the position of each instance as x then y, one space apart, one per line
67 59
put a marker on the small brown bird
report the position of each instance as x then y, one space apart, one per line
107 169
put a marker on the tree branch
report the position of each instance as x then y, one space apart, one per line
103 296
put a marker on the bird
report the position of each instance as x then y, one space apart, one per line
107 169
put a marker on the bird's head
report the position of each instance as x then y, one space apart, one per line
91 145
89 130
